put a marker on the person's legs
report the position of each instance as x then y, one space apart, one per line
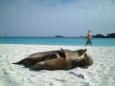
88 42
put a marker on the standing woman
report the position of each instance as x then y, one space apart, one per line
89 37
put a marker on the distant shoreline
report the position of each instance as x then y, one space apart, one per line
47 37
109 35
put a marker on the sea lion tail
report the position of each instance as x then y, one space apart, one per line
17 62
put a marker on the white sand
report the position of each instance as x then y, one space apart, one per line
101 73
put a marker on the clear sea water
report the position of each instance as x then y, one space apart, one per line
71 41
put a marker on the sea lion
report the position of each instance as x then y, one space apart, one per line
57 60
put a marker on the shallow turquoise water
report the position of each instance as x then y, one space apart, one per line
57 41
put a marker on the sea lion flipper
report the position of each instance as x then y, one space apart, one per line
62 49
61 53
26 62
16 63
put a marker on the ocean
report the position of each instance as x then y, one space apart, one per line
71 41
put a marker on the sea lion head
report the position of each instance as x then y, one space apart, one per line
75 56
80 52
87 61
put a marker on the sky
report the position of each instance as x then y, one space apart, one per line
56 17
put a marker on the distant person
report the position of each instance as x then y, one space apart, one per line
89 37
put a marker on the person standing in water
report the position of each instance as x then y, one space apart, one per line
89 37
